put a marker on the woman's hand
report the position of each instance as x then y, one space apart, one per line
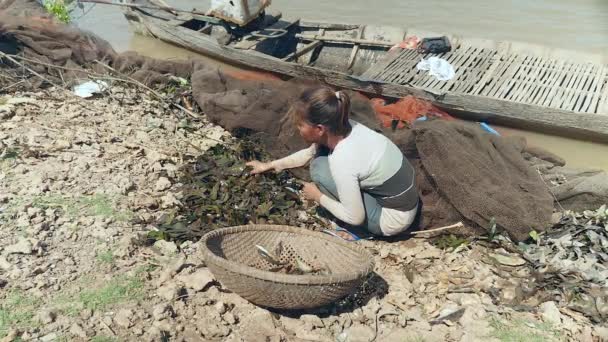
312 192
259 167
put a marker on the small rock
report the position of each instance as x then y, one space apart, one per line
169 201
220 307
198 280
360 333
164 326
24 246
86 314
171 270
123 318
4 264
168 292
550 313
398 335
77 330
259 325
33 212
167 248
162 184
48 338
556 218
587 335
46 316
147 202
10 336
162 311
312 321
125 246
510 260
230 318
3 283
601 332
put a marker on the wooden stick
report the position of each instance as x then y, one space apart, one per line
457 225
303 50
154 92
125 78
10 58
344 40
164 8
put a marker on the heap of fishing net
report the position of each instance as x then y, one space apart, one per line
463 173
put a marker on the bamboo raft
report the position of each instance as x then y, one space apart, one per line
523 78
509 83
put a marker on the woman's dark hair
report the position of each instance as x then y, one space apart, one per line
323 106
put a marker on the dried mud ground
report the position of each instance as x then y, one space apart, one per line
81 181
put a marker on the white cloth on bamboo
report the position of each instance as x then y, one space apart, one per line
438 67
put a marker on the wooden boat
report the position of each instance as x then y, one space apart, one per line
513 84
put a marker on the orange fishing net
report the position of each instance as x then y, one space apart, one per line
406 111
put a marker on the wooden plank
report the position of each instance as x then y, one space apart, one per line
550 79
345 40
510 76
603 103
455 58
303 50
487 76
583 102
477 73
496 81
249 42
521 79
460 62
404 70
601 79
577 87
353 54
531 79
585 88
395 66
559 97
328 26
538 84
557 84
589 126
535 85
376 69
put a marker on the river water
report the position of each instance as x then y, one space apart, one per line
580 25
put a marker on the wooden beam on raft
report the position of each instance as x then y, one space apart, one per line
353 54
345 40
303 50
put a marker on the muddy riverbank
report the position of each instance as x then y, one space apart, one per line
84 183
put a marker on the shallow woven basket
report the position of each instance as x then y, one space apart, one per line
231 255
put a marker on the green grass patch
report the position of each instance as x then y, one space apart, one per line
95 205
449 241
115 291
10 153
101 338
105 257
17 311
522 331
58 8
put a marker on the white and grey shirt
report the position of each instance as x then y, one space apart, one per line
366 161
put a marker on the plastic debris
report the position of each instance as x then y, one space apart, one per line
90 88
488 129
437 67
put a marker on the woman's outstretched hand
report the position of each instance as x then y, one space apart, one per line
311 192
259 167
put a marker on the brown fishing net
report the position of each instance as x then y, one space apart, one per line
464 174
